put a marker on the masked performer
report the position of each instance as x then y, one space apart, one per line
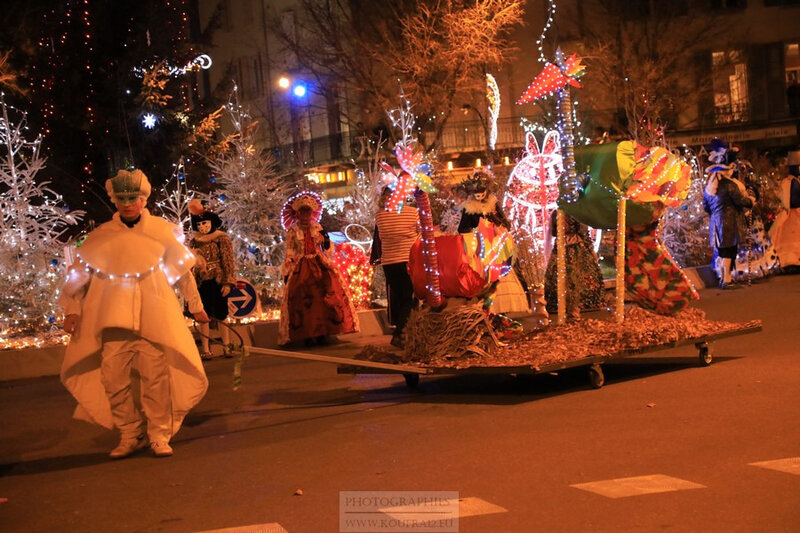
214 272
509 296
725 200
316 302
123 313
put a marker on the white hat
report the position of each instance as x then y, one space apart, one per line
126 187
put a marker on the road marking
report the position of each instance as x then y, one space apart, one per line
272 527
466 507
477 507
635 486
790 465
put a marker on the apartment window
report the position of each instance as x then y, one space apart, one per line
775 3
792 62
728 4
729 78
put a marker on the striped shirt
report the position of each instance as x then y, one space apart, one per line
397 232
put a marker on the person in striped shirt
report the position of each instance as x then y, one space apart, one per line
395 234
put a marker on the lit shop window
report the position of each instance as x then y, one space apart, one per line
322 178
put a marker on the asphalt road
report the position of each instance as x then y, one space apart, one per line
516 446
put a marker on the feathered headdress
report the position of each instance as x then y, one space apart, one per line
297 201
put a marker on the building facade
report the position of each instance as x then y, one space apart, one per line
751 96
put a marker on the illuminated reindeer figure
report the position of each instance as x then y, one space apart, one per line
532 188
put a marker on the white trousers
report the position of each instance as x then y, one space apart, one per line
122 351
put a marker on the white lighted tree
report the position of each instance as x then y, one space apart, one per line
175 197
249 196
34 221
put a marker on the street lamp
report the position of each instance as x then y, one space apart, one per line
298 96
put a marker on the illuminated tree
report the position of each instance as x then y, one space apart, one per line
34 221
248 197
643 63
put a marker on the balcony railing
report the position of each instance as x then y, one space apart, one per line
469 136
457 137
732 113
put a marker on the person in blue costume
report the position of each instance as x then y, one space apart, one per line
724 199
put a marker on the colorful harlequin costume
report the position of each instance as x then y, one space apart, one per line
316 301
129 316
509 295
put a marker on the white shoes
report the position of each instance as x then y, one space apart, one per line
161 448
127 447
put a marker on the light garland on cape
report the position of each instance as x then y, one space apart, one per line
95 271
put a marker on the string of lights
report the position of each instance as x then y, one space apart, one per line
551 13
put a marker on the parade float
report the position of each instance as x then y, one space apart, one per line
625 188
621 187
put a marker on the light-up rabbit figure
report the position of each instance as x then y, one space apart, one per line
532 188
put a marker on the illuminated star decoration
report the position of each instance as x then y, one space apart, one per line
493 96
532 187
552 79
149 121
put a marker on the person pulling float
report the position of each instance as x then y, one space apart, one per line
214 272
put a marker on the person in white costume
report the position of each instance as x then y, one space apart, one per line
785 231
122 313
